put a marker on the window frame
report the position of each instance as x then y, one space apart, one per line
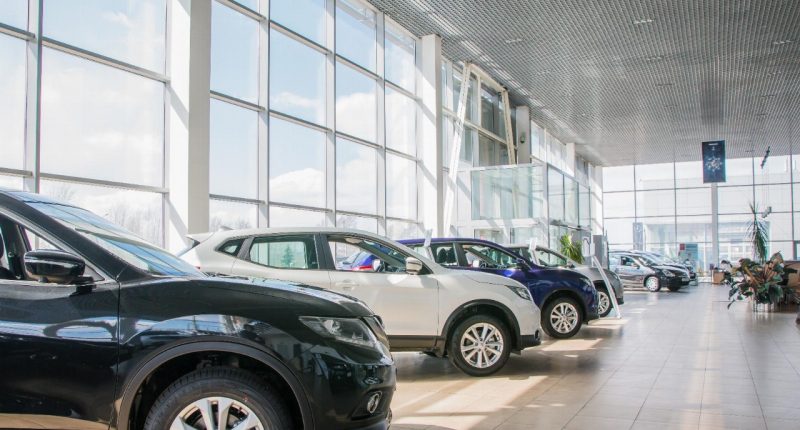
325 238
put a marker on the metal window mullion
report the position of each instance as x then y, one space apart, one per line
264 59
297 37
33 99
17 32
299 121
330 112
455 151
244 10
235 199
298 207
381 123
402 90
165 165
236 101
103 183
357 67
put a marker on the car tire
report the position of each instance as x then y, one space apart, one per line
652 284
480 345
604 305
562 318
244 393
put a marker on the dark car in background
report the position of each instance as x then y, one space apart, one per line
667 261
647 272
567 299
99 330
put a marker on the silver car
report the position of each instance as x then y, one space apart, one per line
550 258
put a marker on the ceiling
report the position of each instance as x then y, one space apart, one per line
634 81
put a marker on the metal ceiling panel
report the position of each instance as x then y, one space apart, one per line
634 81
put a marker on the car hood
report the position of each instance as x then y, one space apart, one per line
305 298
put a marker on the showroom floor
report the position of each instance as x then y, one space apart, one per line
676 361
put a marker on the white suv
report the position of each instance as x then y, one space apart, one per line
475 318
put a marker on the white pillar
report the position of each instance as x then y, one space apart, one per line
188 98
714 226
429 135
523 137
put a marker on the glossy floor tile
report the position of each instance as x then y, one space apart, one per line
675 361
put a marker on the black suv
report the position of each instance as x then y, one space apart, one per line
99 329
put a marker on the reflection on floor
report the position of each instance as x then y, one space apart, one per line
676 361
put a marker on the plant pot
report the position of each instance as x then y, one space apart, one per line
763 307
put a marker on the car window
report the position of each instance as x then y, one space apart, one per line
549 259
627 261
524 252
358 254
445 254
614 260
232 247
488 257
284 252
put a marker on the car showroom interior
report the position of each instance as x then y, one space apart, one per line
405 214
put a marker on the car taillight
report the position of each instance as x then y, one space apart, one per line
363 268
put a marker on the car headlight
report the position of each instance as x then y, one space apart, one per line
667 273
352 331
522 292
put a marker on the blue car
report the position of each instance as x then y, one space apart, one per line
567 298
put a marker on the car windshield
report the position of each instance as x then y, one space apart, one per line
118 241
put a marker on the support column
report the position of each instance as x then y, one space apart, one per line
187 122
523 137
429 135
714 226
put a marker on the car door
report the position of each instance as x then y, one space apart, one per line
408 304
633 270
286 257
58 343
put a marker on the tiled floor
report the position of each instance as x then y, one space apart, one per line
675 361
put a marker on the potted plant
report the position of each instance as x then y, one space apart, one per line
573 250
761 283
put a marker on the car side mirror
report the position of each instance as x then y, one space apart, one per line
522 264
413 266
570 266
377 264
49 265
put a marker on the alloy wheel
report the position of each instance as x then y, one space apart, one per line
603 302
482 345
651 283
216 413
564 317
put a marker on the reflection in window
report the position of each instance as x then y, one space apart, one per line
100 122
356 33
305 17
234 53
401 187
356 103
400 57
285 252
619 178
401 120
354 222
14 13
12 101
555 195
397 230
233 157
11 182
491 152
356 177
654 176
138 211
492 112
132 31
296 164
297 79
231 214
288 217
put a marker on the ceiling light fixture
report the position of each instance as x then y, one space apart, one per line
643 21
654 58
782 42
664 84
512 41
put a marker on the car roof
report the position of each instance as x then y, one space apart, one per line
451 239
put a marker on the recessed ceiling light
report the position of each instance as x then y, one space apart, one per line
761 114
654 58
515 40
777 72
782 42
643 21
664 84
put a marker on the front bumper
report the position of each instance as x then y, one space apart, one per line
339 384
672 282
531 340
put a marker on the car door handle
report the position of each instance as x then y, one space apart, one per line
346 285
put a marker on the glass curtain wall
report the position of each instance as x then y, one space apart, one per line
334 133
101 113
667 208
